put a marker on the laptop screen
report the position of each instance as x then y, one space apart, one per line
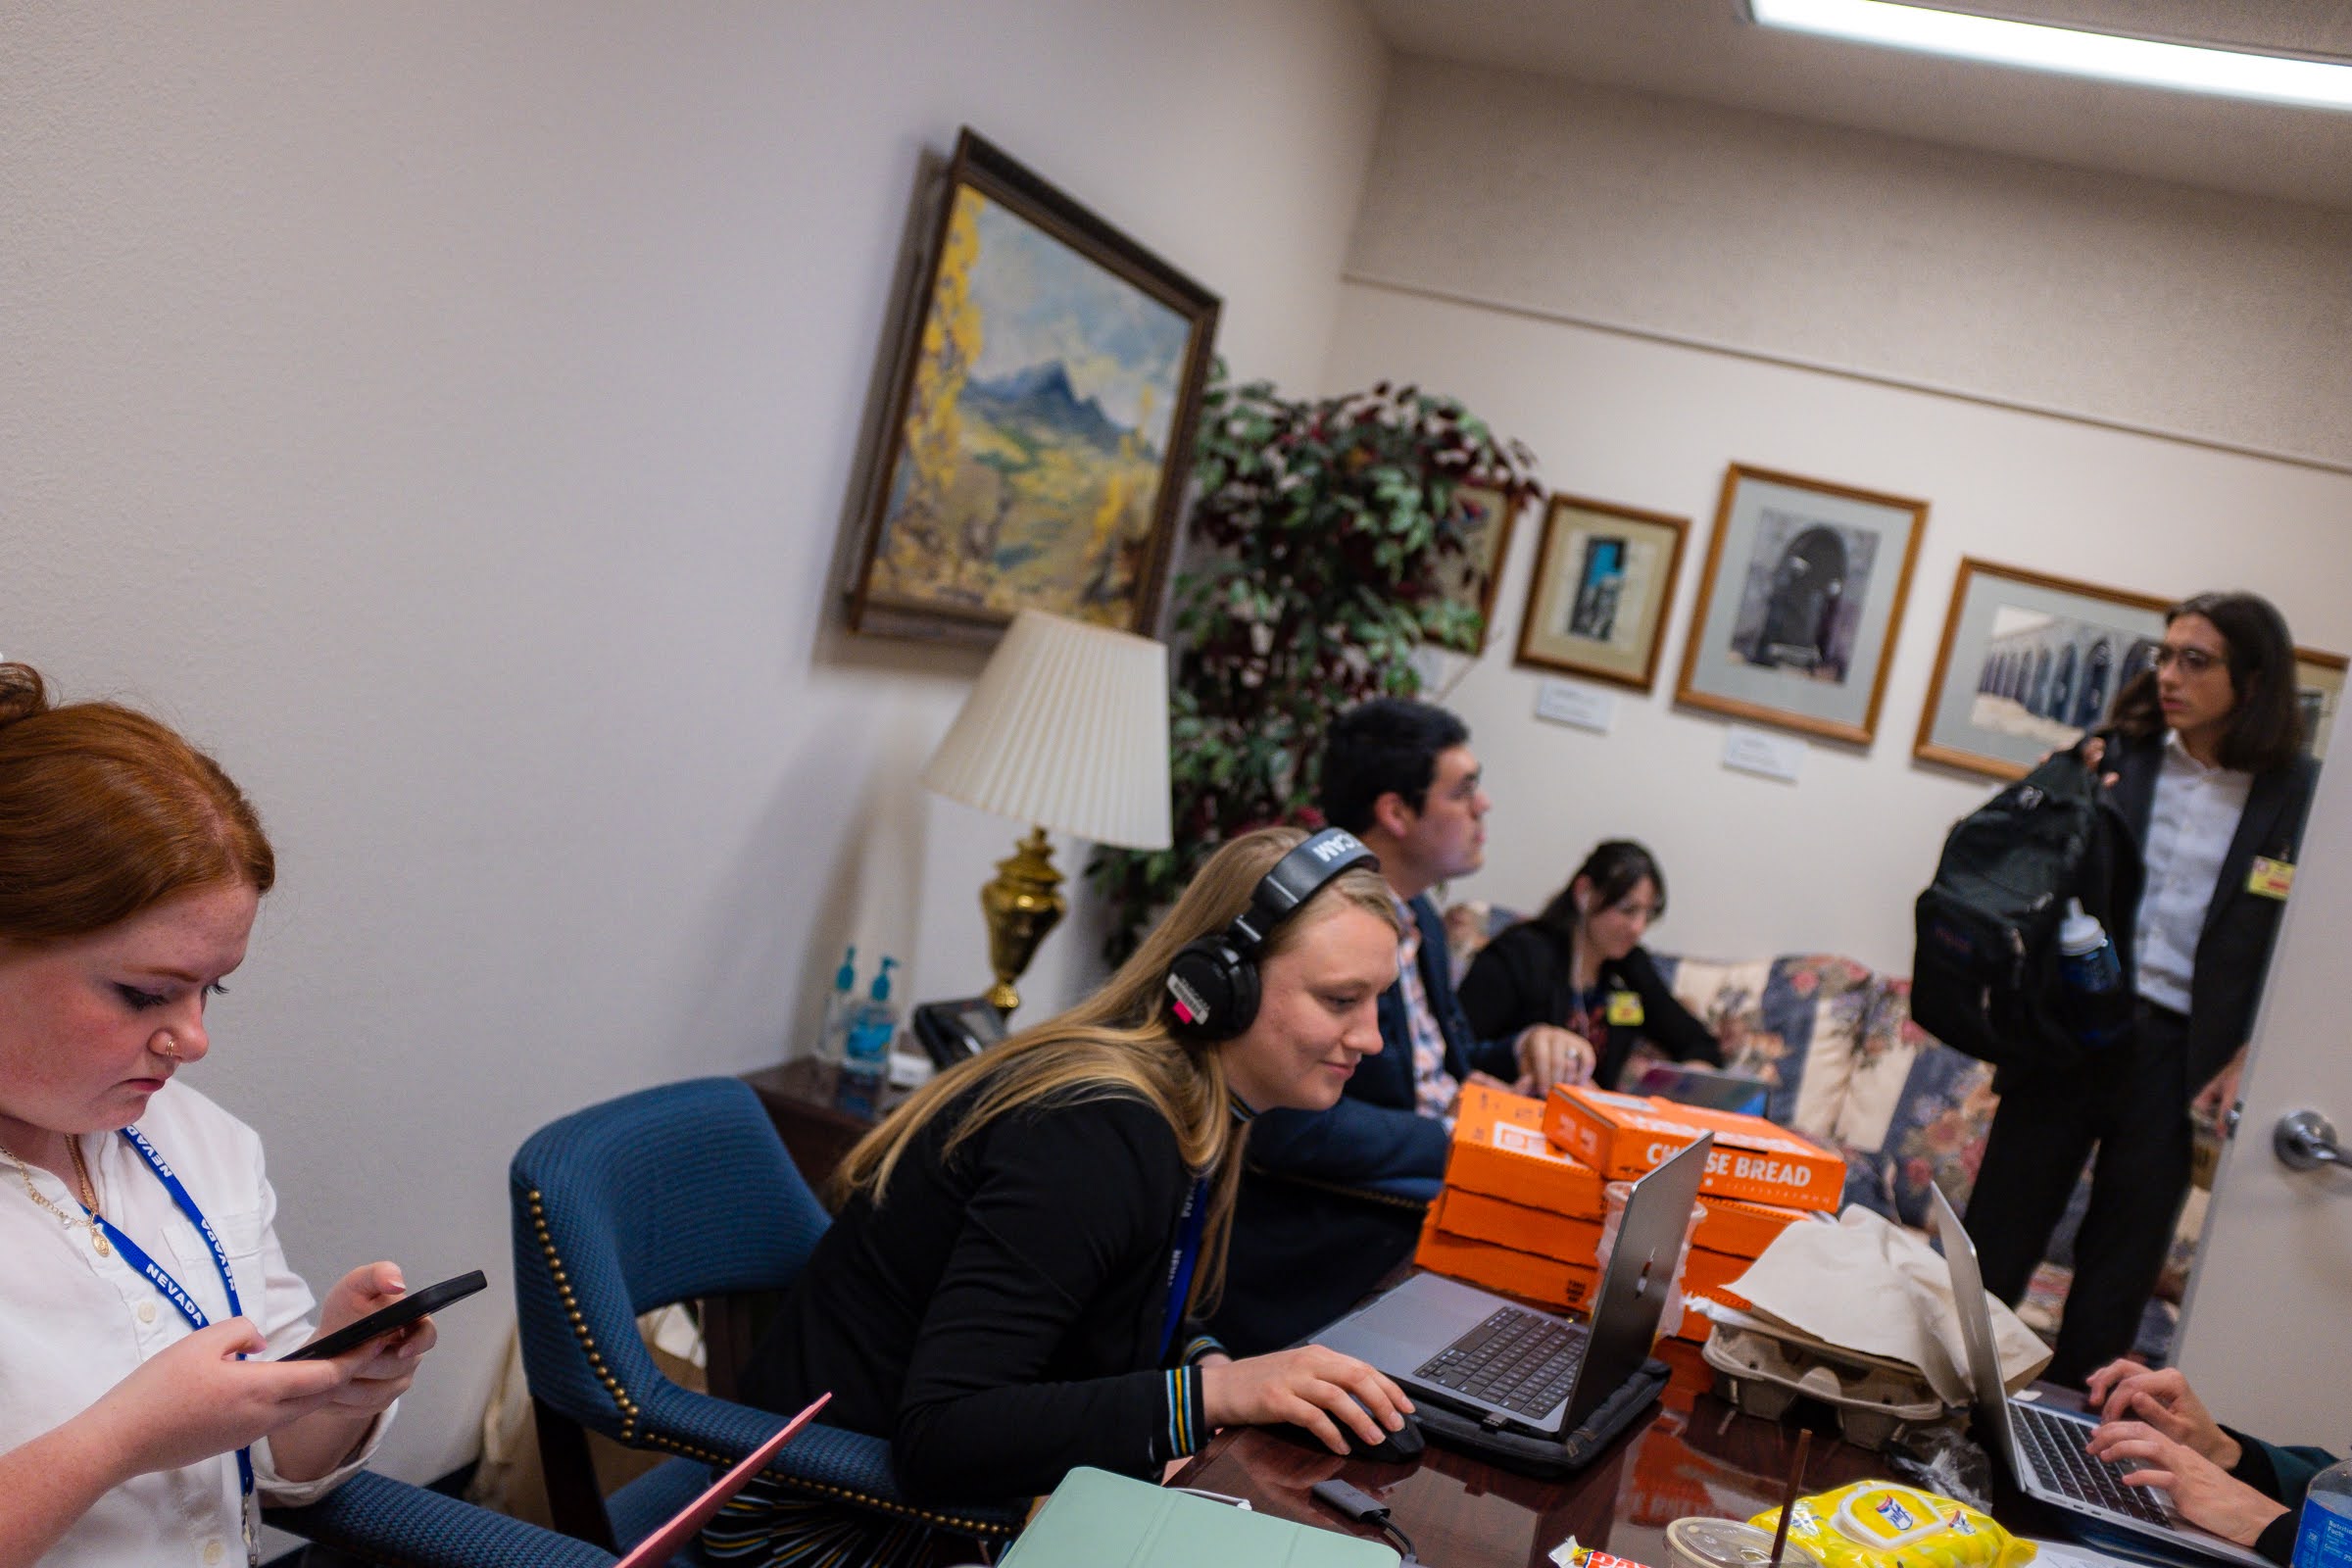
1968 1299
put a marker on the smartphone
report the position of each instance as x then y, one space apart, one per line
384 1319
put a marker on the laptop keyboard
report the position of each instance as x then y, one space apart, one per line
1523 1361
2055 1446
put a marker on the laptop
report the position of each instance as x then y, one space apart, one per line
657 1550
1517 1369
1703 1087
2044 1445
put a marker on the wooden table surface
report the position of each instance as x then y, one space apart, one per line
1692 1454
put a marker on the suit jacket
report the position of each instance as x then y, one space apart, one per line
2233 948
1330 1200
1521 978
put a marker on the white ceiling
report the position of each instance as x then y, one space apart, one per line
1706 49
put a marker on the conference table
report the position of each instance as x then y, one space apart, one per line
1693 1454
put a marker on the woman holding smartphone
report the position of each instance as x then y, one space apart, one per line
143 1268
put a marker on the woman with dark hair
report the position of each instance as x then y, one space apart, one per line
143 1264
1580 965
2203 760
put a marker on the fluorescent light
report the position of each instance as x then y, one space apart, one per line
2139 61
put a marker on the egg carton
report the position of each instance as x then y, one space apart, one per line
1876 1400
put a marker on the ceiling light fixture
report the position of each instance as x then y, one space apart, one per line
2183 68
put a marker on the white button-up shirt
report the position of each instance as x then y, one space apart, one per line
2191 823
74 1324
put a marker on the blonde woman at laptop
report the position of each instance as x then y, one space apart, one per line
2240 1488
1013 1283
134 1214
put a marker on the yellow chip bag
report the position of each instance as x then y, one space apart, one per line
1881 1523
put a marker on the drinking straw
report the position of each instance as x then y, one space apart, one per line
1796 1479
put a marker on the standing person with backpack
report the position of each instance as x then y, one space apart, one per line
2204 762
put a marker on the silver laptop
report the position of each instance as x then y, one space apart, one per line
1484 1355
2044 1446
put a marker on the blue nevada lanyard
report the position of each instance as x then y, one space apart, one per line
1180 1267
173 1291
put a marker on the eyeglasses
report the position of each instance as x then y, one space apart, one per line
2193 661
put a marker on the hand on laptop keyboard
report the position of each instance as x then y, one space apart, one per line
2129 1391
2202 1492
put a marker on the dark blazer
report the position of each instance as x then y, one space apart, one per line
1332 1201
1521 978
2233 951
999 1317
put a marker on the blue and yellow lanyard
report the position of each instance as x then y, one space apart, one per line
173 1291
1180 1267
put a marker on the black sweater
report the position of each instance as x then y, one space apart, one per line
999 1317
1521 978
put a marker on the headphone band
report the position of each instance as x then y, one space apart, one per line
1293 879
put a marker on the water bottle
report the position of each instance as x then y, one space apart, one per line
832 1040
2324 1537
872 1026
2094 975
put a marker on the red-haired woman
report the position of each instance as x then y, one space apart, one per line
134 1214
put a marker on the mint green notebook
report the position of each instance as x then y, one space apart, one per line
1097 1520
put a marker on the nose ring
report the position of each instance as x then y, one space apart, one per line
169 1048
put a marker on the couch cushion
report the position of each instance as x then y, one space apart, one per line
1916 1111
1796 1022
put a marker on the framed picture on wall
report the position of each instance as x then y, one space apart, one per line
1481 522
1604 585
2027 663
2319 686
1042 414
1799 604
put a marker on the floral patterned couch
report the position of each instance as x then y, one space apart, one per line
1850 1067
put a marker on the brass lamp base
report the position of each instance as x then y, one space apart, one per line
1022 905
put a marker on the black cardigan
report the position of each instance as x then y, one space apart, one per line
999 1317
1521 978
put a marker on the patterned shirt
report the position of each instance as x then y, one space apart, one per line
1433 1088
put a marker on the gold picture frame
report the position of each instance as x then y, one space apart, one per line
1601 591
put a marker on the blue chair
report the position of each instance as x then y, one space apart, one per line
674 1193
376 1519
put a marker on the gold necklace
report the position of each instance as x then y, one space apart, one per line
89 1191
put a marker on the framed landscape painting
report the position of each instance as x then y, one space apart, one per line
1041 417
2027 665
1602 587
1799 604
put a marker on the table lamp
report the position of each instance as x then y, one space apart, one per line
1066 729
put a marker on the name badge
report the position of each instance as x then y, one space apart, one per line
1624 1008
2271 879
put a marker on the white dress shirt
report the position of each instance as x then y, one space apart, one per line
74 1324
2191 823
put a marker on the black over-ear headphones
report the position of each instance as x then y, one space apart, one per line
1213 985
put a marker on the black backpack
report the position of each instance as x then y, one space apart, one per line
1985 967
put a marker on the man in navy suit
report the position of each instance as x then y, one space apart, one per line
1330 1200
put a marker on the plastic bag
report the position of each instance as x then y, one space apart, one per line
1878 1524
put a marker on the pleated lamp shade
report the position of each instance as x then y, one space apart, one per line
1067 729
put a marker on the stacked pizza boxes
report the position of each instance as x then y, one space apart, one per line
1523 1203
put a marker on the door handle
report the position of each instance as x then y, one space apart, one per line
2305 1140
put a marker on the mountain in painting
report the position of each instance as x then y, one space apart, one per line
1042 395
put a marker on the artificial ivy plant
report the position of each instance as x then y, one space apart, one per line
1314 543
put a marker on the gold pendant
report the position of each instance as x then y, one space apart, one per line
98 1241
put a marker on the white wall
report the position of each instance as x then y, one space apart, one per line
1831 865
446 413
2113 297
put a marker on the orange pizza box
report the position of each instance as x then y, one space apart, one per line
1480 1218
1619 1136
1711 1274
1739 1227
1629 1135
1763 1162
1499 1150
1543 1282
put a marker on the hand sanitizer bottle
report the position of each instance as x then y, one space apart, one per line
832 1041
871 1027
2324 1536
